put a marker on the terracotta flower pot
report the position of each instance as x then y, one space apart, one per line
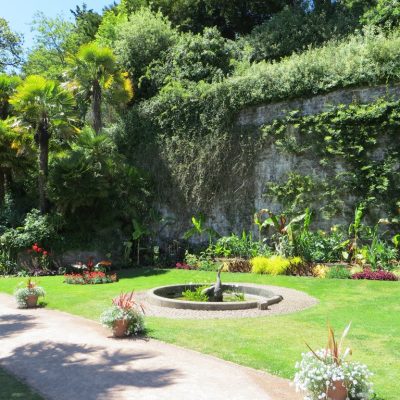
120 327
31 300
337 391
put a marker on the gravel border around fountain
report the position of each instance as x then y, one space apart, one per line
293 301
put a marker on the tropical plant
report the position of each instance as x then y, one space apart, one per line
44 109
286 236
199 228
324 372
95 75
30 289
242 246
125 308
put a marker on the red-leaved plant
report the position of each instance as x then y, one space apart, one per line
379 275
126 302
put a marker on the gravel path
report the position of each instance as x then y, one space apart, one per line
66 357
293 301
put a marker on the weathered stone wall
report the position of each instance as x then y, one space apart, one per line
273 166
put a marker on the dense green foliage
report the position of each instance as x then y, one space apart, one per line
162 84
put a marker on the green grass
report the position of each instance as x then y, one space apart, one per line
11 388
273 343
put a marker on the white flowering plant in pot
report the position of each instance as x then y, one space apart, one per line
125 317
326 374
27 296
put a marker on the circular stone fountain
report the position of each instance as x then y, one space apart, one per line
256 296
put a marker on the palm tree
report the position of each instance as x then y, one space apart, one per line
95 73
43 109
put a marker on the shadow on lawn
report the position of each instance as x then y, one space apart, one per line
94 372
137 272
11 324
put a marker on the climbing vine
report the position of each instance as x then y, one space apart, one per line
357 150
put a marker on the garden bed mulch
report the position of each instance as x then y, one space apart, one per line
293 301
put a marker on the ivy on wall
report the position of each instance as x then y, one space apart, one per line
358 150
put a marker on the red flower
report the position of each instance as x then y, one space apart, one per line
39 250
35 247
45 253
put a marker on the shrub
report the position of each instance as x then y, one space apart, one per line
275 265
379 275
320 271
236 265
338 272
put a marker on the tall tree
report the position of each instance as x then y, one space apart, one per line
54 40
96 74
10 46
87 23
44 109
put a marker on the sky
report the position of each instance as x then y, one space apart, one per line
19 13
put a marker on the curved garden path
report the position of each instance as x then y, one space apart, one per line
66 357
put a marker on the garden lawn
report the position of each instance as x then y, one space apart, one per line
272 344
11 388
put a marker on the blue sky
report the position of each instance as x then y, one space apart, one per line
19 13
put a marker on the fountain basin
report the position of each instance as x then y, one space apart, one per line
257 297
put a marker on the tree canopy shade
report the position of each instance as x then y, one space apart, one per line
95 71
231 17
10 46
44 109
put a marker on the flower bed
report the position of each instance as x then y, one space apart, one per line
90 278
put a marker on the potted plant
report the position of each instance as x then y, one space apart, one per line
325 373
27 297
125 317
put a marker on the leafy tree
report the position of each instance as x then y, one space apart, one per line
8 83
44 109
54 40
142 40
195 58
10 46
295 28
386 13
231 17
96 73
87 23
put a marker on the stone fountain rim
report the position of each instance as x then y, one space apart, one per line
265 297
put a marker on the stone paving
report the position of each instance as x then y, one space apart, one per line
65 357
